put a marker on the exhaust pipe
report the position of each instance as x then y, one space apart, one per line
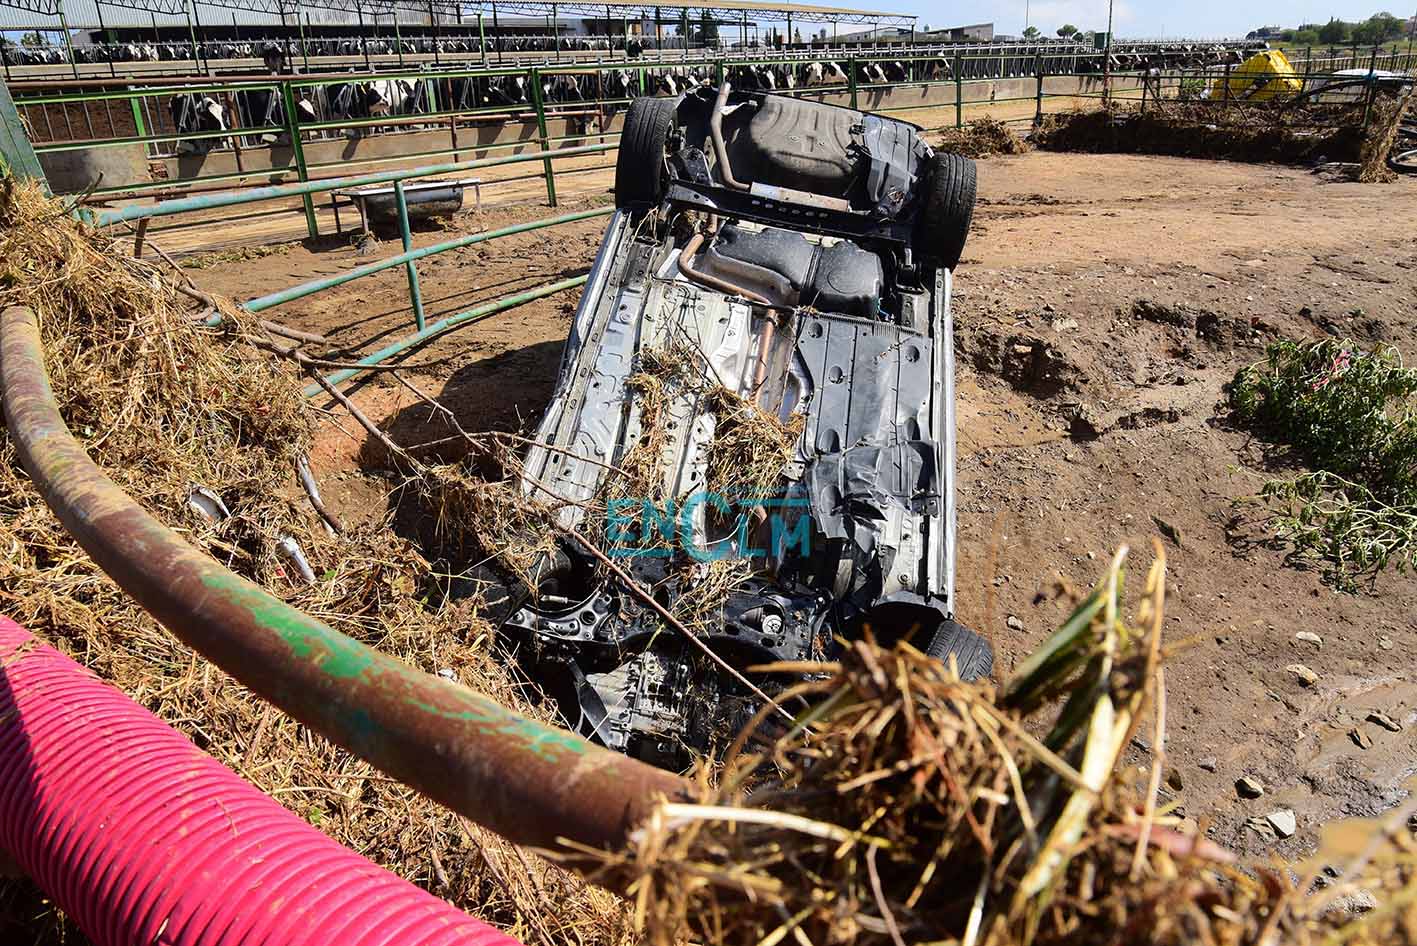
720 151
140 837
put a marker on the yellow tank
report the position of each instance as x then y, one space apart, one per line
1265 75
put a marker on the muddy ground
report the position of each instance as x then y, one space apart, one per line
1102 304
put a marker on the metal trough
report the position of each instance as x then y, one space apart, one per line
423 200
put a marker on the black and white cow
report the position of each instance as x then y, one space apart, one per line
193 113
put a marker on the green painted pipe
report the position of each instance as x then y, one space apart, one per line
257 194
291 293
530 782
451 322
415 292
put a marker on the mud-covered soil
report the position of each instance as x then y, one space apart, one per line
1102 303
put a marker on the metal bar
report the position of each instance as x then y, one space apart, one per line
959 93
68 42
291 293
16 153
257 194
415 294
538 99
444 325
103 31
529 782
301 22
297 149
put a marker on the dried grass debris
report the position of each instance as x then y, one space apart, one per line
983 138
164 404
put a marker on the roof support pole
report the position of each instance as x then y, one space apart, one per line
497 33
433 19
302 20
68 43
192 36
103 31
556 31
363 41
398 37
481 38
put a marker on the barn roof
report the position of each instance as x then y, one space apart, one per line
84 12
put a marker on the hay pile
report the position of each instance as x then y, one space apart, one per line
982 138
163 406
520 530
1276 131
1386 121
908 807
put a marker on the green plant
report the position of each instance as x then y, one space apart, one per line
1191 88
1351 416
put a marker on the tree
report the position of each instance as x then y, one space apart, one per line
32 40
1334 32
1031 33
1067 31
1306 37
1377 29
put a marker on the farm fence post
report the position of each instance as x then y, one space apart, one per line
540 104
297 149
1038 73
959 92
851 78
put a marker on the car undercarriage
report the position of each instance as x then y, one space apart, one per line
754 420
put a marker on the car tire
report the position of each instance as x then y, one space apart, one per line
639 167
973 655
948 208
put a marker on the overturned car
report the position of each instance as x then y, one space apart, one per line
753 422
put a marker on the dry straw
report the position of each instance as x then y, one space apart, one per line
903 807
164 405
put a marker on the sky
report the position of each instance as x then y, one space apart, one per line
1142 18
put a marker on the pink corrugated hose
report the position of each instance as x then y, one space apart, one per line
143 839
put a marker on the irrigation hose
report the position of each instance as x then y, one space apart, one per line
531 783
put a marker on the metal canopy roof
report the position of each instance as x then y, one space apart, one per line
666 10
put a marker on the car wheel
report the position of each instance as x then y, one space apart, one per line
639 167
947 210
973 655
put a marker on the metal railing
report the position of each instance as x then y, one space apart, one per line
454 101
408 259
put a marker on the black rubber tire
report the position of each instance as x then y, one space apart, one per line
639 167
973 655
948 208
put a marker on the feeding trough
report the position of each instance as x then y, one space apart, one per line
424 199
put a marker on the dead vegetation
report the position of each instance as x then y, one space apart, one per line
908 807
983 138
905 807
163 406
1276 130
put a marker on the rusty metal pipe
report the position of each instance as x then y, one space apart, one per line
686 266
720 150
529 782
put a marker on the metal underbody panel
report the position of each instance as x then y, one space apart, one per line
870 486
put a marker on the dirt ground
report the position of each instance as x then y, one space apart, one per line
1102 303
